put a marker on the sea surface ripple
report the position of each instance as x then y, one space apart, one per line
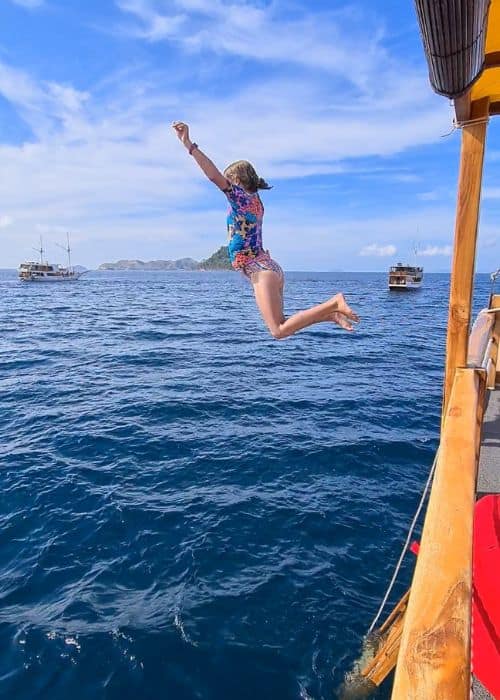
190 509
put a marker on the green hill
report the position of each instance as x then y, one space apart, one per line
218 261
182 264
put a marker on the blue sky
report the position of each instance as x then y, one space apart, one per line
329 100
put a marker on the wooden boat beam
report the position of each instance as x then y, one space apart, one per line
464 252
434 658
462 108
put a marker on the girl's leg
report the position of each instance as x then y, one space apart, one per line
268 289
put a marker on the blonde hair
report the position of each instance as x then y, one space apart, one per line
243 173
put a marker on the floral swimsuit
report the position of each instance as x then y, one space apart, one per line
244 225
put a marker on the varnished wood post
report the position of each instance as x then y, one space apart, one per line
434 658
464 252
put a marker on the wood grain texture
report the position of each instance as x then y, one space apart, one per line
390 632
434 658
464 252
462 107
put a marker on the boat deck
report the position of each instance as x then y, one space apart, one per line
489 458
486 574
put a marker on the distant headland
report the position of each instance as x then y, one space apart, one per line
182 264
218 261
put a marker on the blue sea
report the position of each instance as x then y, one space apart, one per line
191 510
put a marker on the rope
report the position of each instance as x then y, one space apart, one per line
493 277
406 544
471 122
466 122
397 568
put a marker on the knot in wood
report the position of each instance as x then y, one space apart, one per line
460 313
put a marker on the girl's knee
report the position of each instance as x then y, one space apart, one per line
277 332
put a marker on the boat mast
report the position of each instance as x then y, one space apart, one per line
415 250
67 249
40 251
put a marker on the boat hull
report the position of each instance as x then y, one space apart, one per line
404 287
53 279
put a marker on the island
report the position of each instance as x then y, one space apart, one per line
217 261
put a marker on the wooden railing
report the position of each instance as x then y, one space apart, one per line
480 340
445 522
483 342
493 361
434 658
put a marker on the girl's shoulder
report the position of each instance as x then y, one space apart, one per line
238 192
244 202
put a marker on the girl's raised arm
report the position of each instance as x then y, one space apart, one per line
210 170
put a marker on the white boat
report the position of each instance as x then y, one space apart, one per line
405 277
43 271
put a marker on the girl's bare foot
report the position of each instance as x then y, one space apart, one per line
340 304
341 321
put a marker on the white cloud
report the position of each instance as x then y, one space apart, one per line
380 251
6 221
46 107
340 42
103 162
152 25
118 155
317 114
113 170
67 98
433 250
30 4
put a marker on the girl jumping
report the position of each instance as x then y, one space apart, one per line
240 183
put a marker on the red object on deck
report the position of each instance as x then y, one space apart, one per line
486 594
415 547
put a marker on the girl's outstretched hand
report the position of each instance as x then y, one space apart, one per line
210 170
182 131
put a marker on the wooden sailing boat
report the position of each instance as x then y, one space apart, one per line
444 636
44 271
